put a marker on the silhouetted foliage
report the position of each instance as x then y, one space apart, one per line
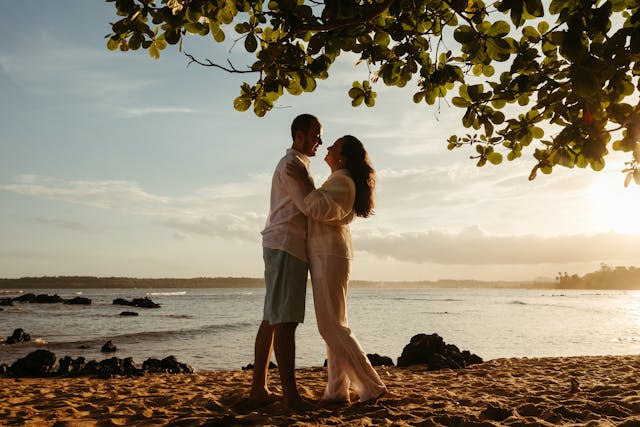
605 278
570 71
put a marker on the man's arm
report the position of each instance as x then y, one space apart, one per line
298 183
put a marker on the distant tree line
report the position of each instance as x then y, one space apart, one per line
89 282
606 277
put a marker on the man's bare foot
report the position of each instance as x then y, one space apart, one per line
298 404
262 398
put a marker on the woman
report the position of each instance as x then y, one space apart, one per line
347 193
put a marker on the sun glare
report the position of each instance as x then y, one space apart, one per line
615 208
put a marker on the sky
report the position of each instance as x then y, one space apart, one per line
117 164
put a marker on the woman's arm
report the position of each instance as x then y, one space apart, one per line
333 201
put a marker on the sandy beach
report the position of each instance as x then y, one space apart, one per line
599 391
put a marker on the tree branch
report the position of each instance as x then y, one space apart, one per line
208 63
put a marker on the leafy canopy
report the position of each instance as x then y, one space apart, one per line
568 86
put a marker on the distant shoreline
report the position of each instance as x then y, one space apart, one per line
90 282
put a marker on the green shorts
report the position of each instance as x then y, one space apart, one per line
285 277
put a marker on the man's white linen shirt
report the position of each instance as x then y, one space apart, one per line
330 210
286 227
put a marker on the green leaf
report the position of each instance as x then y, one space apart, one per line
488 70
530 32
498 49
356 92
543 27
216 32
154 52
459 5
536 132
261 106
495 158
597 164
499 29
242 103
534 7
113 44
242 28
475 91
464 34
459 101
370 99
250 43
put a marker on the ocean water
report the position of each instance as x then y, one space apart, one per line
215 328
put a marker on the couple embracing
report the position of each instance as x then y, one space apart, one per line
308 230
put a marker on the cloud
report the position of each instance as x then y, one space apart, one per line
66 225
139 112
243 226
227 210
474 247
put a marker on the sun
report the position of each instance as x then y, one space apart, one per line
614 207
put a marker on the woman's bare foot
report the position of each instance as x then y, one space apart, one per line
373 399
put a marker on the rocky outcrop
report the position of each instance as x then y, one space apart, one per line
128 313
435 353
78 301
6 301
25 298
50 299
36 364
108 347
19 335
377 360
251 366
145 302
167 365
41 363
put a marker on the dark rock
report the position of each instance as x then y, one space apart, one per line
251 366
435 353
78 301
107 368
90 368
68 366
64 366
108 347
137 302
36 364
129 368
25 298
6 301
377 360
18 335
128 313
48 299
40 363
167 365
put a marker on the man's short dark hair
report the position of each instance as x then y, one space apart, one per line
302 123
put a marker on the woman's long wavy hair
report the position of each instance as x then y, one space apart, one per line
362 173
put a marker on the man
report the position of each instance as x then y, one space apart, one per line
286 267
